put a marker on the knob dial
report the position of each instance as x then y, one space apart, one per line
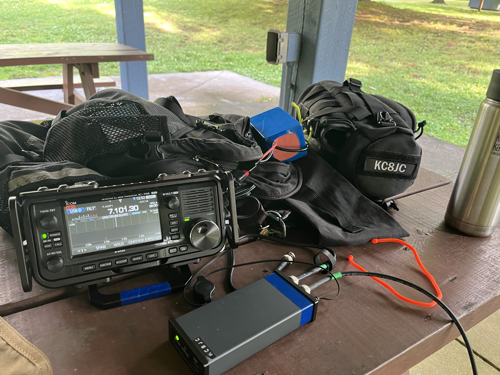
48 222
55 264
172 202
204 234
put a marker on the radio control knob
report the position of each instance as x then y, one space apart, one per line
204 234
172 202
55 264
48 222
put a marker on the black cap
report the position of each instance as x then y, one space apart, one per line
493 92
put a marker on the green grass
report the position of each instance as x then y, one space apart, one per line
435 59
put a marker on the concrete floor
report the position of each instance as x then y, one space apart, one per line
204 93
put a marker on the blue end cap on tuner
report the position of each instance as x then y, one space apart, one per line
293 294
131 296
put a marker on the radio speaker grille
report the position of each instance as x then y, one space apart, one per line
197 201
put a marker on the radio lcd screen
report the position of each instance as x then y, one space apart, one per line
112 223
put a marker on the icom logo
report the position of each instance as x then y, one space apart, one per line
387 166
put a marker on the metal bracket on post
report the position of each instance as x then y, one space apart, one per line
282 47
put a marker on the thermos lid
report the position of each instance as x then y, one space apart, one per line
493 92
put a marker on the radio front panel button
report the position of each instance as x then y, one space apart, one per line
176 236
172 250
120 262
56 239
105 264
174 229
183 248
172 216
88 267
58 244
137 258
54 234
47 246
151 255
55 264
174 222
48 222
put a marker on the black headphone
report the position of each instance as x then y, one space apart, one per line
203 290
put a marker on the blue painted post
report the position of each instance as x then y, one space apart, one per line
326 28
130 31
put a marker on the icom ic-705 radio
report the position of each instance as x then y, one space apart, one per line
84 233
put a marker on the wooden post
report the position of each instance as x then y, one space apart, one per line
326 28
130 31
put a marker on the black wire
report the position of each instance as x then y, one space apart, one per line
279 260
197 273
272 239
434 298
292 149
283 242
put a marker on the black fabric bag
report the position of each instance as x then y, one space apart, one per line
369 139
338 213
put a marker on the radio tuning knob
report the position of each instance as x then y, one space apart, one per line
204 234
55 264
172 202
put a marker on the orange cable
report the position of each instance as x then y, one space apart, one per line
429 276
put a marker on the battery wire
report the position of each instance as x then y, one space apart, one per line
429 276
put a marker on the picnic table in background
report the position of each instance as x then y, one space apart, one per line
85 57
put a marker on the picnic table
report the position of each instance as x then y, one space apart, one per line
366 330
85 57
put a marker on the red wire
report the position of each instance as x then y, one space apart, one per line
429 276
270 150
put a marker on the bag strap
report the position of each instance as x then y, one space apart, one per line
173 106
376 107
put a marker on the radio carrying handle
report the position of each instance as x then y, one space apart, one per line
234 239
179 276
22 258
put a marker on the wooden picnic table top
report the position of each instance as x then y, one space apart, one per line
68 53
365 330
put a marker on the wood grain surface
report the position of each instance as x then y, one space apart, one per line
68 53
365 330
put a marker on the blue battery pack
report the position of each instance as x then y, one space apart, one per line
277 126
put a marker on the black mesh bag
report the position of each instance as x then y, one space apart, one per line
117 134
369 139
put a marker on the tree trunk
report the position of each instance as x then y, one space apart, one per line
480 6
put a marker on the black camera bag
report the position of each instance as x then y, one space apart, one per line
369 139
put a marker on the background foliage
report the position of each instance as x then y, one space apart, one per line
435 59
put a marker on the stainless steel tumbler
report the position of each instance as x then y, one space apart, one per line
474 206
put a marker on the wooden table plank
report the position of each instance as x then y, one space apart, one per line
68 53
365 330
13 299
